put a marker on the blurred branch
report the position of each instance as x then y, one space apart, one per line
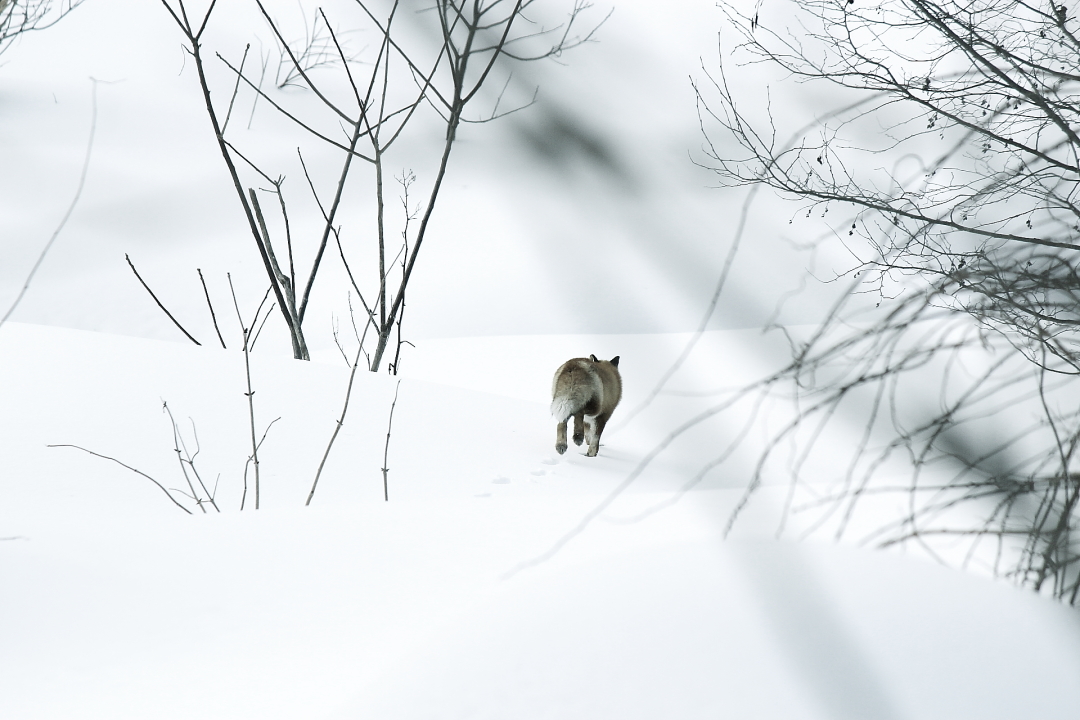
74 200
968 244
24 16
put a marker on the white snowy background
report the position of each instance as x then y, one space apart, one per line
580 225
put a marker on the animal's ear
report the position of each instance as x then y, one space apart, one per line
615 361
593 358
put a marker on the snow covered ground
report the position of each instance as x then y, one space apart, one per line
118 605
500 580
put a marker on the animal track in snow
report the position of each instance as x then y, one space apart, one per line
501 480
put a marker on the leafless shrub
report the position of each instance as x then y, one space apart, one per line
196 490
201 495
360 112
23 16
964 368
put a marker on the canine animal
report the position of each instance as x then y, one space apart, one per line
588 389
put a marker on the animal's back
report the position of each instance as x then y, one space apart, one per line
612 384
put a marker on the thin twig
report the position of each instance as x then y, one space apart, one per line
337 425
250 394
386 447
163 308
258 332
210 305
236 88
247 463
137 472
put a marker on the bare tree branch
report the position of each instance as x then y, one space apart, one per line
137 472
156 300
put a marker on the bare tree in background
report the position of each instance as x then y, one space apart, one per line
360 112
21 16
951 177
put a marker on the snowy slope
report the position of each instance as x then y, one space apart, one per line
447 601
117 605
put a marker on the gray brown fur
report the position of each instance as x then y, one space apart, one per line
587 389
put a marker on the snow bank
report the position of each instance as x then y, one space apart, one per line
117 605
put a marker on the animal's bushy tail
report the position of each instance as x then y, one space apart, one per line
569 402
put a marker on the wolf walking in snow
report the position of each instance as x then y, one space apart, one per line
586 388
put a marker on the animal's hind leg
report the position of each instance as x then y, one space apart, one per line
560 438
598 424
579 428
